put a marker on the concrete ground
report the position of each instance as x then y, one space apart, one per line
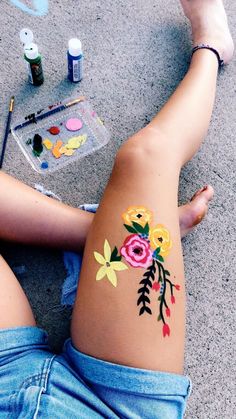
135 55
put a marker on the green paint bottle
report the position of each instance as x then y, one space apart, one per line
34 63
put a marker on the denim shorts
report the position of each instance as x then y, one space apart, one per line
35 383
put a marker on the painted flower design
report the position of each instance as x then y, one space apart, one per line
139 215
160 238
137 251
109 266
146 248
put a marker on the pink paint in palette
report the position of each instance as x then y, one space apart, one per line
74 124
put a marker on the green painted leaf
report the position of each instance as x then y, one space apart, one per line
146 229
159 298
157 256
167 272
130 229
160 258
114 253
138 227
159 318
114 256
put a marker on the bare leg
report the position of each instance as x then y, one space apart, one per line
106 321
43 221
14 306
28 217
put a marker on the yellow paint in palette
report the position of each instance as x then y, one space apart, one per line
76 142
63 149
66 151
48 144
59 149
69 152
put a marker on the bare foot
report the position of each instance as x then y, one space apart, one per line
192 213
210 25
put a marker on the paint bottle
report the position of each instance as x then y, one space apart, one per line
34 62
75 60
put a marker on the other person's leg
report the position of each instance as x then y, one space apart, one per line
29 217
43 221
15 309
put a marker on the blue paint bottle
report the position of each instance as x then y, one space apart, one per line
75 60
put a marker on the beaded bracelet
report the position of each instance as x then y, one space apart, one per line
204 46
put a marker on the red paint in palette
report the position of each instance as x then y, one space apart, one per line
54 130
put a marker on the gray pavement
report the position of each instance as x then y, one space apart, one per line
136 53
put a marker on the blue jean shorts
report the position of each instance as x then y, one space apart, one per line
35 383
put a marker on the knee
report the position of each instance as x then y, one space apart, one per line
143 153
129 156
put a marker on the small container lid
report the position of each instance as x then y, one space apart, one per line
31 51
26 36
75 47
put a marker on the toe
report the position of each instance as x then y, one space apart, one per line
206 193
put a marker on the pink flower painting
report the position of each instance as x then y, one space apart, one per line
137 251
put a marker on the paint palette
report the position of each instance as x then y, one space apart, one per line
61 134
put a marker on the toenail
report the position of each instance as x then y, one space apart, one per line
196 194
198 219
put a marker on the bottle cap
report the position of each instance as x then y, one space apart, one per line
75 47
26 36
31 51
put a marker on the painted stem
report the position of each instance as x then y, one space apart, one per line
163 301
171 286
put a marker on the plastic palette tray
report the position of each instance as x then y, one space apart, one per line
57 115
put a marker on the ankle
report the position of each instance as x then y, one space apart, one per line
211 41
207 54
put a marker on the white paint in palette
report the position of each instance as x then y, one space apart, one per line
40 7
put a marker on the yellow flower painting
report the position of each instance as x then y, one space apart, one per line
160 237
139 215
109 266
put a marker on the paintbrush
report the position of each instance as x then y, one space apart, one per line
11 107
50 112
